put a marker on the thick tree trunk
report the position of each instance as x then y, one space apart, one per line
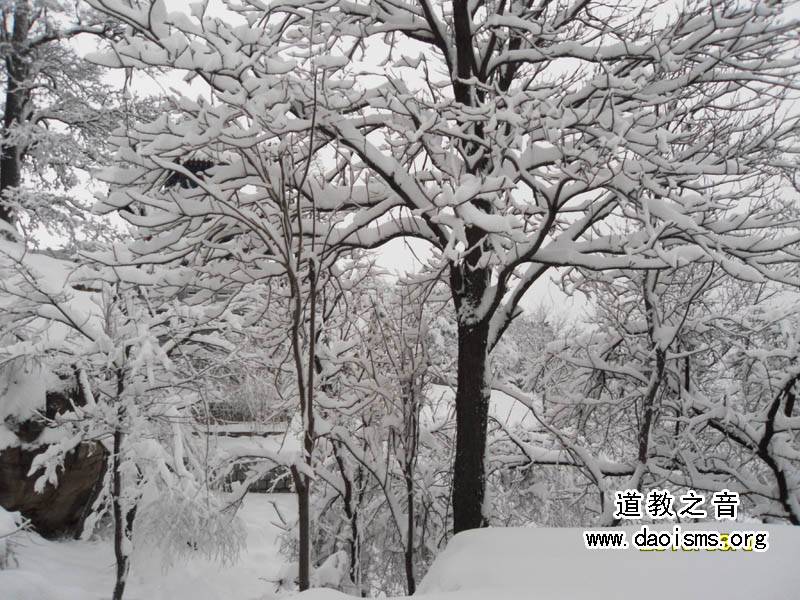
472 410
15 105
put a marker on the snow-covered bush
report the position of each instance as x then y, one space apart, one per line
187 523
383 475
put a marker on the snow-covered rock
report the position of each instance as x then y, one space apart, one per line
57 510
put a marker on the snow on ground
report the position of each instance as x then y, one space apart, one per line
80 570
553 564
491 564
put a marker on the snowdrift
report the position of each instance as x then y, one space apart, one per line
554 564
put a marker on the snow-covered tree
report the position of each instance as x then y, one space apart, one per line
512 137
254 263
685 378
616 389
57 112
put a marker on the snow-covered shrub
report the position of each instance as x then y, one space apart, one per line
383 478
182 525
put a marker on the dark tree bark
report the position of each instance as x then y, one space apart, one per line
785 397
17 97
302 488
305 384
472 411
123 519
410 446
469 283
408 554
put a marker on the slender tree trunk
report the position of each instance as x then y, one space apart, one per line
765 449
657 376
411 447
355 550
356 531
411 585
472 410
306 383
304 520
123 520
121 523
15 106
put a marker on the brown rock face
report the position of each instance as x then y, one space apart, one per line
58 510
